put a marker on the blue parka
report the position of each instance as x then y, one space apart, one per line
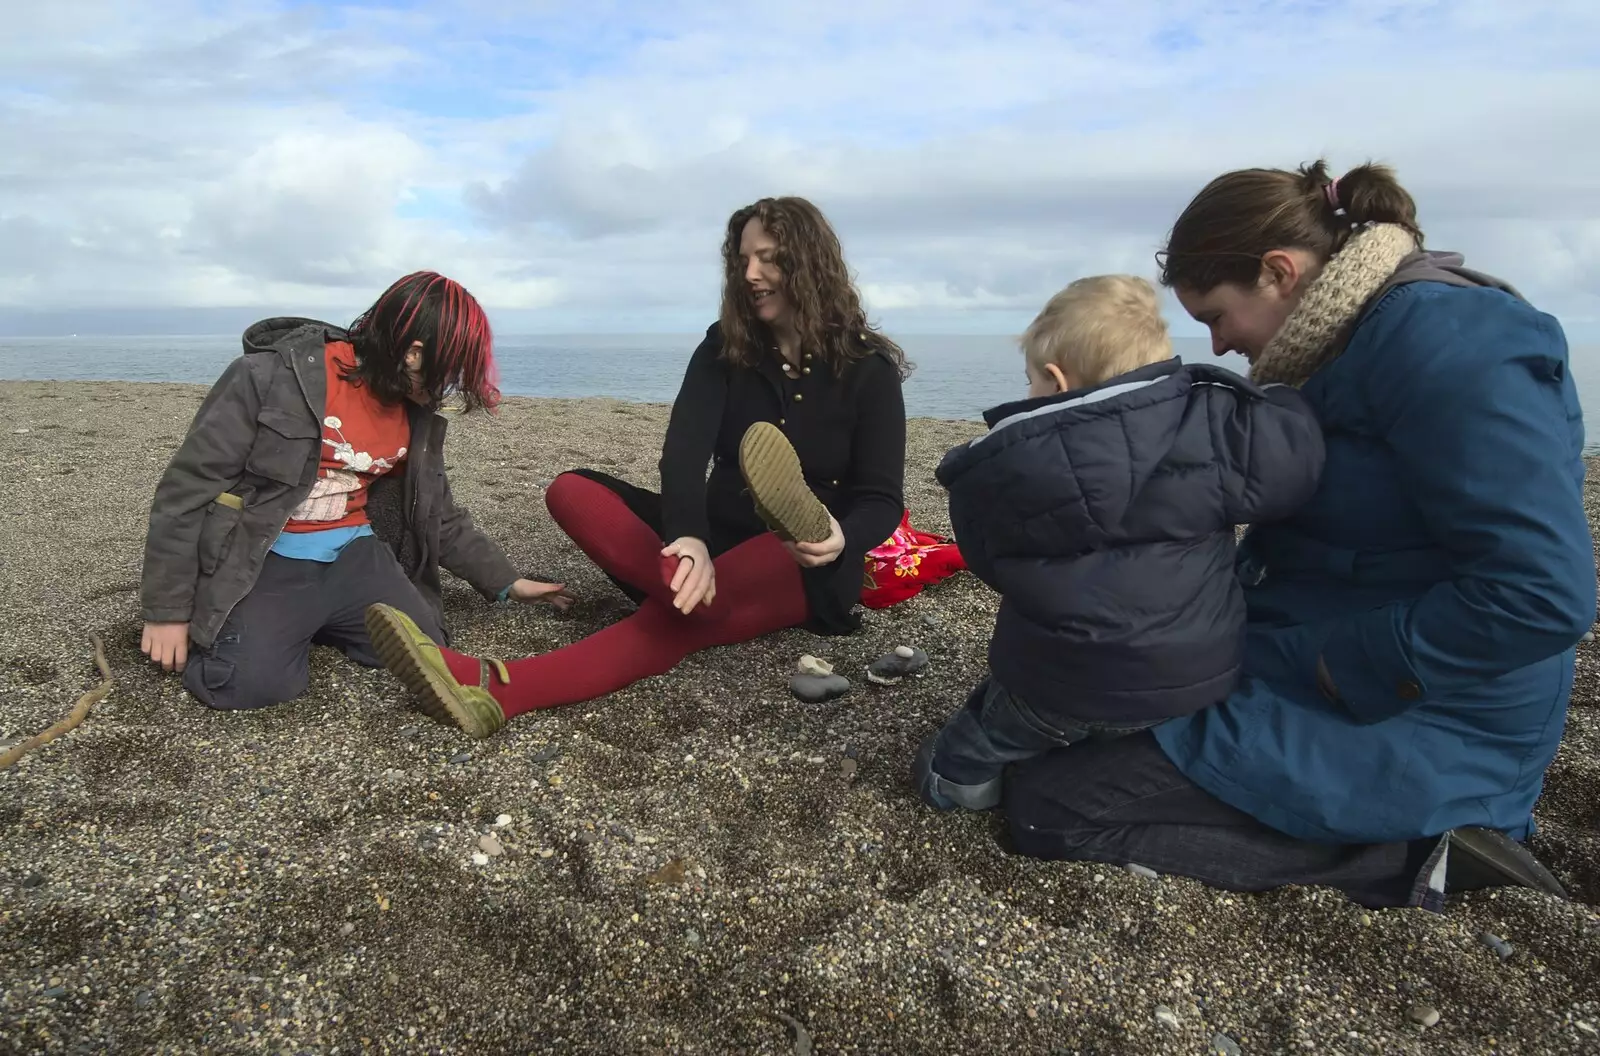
1444 572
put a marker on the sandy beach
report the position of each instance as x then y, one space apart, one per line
698 864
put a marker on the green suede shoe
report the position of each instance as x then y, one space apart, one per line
784 501
414 659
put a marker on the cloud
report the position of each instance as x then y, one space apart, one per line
574 163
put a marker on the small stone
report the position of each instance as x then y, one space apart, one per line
1167 1017
587 837
490 846
461 757
904 652
1222 1045
813 665
692 937
546 852
346 928
1424 1016
545 754
848 768
143 999
55 992
479 858
819 689
33 880
890 668
1502 949
1587 1028
1143 870
1588 636
406 733
19 432
502 821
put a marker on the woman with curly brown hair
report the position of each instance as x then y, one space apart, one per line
795 402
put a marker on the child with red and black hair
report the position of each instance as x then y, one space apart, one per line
311 485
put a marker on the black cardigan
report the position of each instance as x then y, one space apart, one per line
850 434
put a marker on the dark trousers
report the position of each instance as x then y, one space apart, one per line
261 655
961 765
1123 802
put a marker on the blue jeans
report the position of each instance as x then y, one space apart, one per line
961 765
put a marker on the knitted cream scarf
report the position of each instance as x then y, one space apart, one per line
1313 335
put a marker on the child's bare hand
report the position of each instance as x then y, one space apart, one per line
166 644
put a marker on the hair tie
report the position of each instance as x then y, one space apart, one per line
1330 191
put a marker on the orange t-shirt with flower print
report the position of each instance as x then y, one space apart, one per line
362 439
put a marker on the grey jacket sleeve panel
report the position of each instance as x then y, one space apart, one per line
466 552
209 462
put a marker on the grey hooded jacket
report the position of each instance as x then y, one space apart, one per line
251 456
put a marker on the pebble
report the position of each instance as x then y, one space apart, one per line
692 937
19 432
1143 870
480 858
904 652
819 689
1588 636
56 991
346 928
406 733
1587 1028
33 880
1423 1015
502 821
143 999
461 757
813 665
490 846
1502 949
545 754
1167 1017
1222 1045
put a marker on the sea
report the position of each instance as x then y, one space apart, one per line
956 376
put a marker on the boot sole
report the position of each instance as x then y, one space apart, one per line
392 641
772 472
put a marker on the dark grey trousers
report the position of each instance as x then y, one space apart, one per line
1122 801
261 655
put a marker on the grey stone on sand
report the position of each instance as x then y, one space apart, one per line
835 897
819 689
898 664
1222 1045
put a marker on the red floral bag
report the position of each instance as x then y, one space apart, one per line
907 562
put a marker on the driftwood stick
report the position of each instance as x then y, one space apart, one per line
79 711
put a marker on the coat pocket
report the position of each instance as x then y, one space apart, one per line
222 518
284 443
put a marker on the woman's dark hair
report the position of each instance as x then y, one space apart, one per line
827 309
457 343
1241 216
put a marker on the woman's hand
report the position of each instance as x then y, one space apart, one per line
166 644
533 592
695 580
814 555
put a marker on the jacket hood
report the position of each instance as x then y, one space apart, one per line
1448 268
273 335
1070 466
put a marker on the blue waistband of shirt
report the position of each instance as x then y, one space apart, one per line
324 545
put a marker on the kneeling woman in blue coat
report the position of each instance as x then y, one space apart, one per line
1412 630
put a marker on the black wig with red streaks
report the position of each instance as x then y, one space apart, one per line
457 345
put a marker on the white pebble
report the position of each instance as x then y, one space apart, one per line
479 858
813 665
1424 1015
502 821
904 652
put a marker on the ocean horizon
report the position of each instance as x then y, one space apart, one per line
956 376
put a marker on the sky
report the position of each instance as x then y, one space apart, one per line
167 164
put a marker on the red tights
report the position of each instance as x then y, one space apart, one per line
758 592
